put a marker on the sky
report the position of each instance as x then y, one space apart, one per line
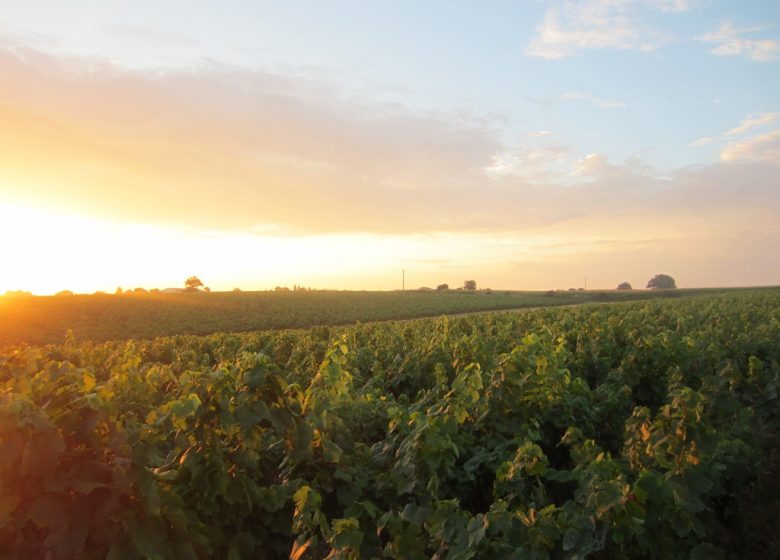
523 144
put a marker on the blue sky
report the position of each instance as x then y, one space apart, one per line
548 109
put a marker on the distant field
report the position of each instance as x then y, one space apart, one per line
101 317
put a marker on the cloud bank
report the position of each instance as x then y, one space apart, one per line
226 148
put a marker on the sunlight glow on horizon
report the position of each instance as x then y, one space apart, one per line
54 251
273 144
51 251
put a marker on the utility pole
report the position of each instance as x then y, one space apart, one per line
586 283
403 279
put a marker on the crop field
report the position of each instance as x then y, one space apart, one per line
618 431
101 317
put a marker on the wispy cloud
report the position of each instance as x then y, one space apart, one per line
730 40
598 102
764 147
754 120
538 164
596 166
673 5
593 165
574 26
749 146
704 141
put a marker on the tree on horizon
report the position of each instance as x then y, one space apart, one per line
661 282
192 284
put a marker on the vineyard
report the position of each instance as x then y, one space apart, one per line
614 431
102 317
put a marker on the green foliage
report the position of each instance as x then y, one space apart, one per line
192 284
623 431
661 282
102 317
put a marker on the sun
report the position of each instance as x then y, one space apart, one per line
47 251
32 241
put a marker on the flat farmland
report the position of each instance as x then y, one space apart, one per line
628 430
103 317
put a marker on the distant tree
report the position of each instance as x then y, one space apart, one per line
207 289
192 284
281 289
100 293
442 287
661 282
154 291
236 289
624 286
17 293
64 293
140 291
470 285
119 291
